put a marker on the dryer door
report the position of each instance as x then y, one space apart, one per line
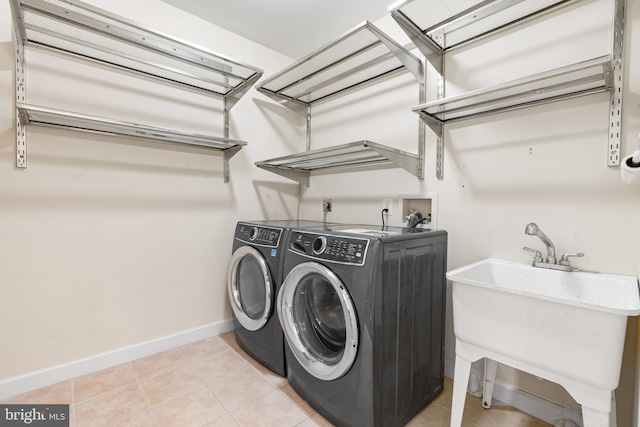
250 288
319 320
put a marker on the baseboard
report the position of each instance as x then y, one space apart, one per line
507 394
528 403
32 381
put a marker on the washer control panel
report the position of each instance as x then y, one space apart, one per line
338 249
259 235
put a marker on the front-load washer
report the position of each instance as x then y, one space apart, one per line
254 277
363 315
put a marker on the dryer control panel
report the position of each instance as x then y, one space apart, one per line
338 249
259 235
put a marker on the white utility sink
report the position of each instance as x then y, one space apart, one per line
567 327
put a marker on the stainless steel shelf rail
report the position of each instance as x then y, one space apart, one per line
362 56
568 82
42 116
362 153
359 58
84 31
437 27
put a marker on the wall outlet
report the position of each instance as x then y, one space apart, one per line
327 205
388 204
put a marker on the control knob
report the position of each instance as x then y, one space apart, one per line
253 234
319 245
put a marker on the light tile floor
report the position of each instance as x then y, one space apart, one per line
214 383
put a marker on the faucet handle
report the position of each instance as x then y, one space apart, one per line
565 258
537 255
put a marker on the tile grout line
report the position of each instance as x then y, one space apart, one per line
279 388
308 416
189 365
256 370
208 386
144 395
73 404
249 401
103 394
139 387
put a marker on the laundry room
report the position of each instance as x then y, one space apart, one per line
118 243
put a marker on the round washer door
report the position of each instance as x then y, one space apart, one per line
250 288
319 320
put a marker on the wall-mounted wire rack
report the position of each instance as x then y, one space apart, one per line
437 27
81 30
361 57
580 79
50 117
362 153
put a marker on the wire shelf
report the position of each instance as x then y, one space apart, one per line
361 153
436 26
83 30
584 78
41 116
363 55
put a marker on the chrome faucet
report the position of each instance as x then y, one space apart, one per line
532 229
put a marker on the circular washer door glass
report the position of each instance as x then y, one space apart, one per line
250 288
319 320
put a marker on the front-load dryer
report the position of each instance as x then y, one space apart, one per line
254 277
363 315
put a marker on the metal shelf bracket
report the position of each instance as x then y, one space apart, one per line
21 135
300 176
615 107
228 154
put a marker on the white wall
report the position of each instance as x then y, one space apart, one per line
107 243
545 164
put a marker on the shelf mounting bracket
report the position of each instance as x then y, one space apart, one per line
235 95
229 153
21 135
294 105
432 52
301 176
615 107
422 131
